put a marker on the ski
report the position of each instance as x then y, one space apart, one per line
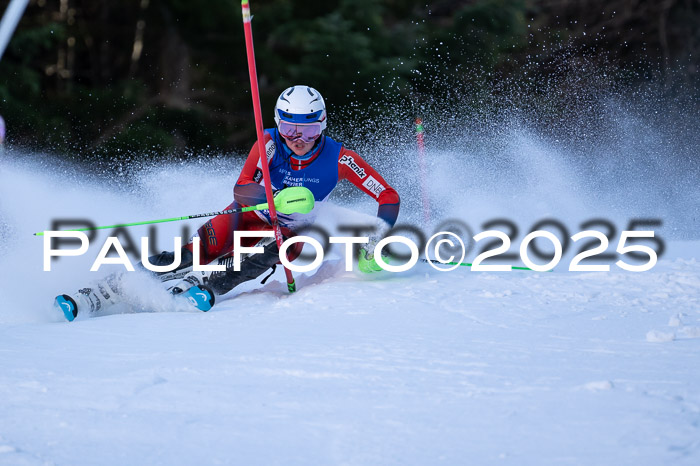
200 296
65 304
91 300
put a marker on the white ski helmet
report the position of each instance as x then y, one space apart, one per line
300 104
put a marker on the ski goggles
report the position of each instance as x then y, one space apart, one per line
307 132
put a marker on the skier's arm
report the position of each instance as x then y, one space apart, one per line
248 190
354 169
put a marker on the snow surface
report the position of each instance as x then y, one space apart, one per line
420 367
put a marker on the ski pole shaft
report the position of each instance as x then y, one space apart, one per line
466 264
257 111
295 199
173 219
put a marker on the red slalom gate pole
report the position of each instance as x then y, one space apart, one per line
423 171
255 94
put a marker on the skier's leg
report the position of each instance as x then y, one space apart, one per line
216 244
215 239
252 265
216 236
107 292
168 258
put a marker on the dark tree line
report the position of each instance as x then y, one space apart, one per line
96 77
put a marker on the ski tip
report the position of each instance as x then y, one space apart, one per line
200 297
66 304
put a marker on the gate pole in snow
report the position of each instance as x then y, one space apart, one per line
423 171
248 30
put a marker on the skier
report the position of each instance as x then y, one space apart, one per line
298 154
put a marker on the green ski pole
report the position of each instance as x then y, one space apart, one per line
295 199
466 264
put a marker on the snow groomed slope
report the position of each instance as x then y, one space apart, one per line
420 367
